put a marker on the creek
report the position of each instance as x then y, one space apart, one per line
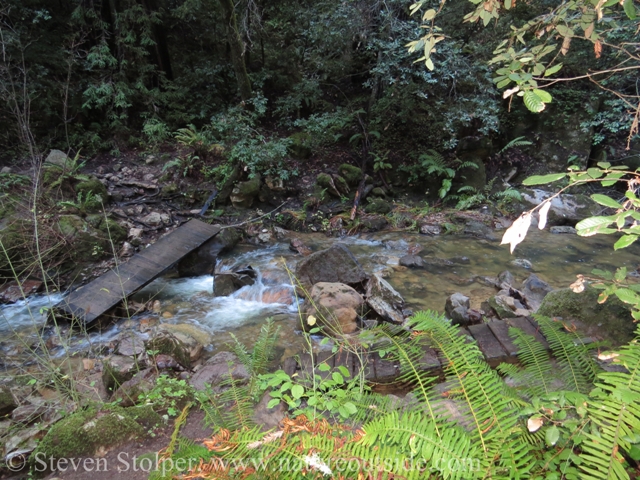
454 263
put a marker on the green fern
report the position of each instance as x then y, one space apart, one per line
536 375
516 142
577 367
614 408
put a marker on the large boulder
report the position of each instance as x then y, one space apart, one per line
203 260
218 370
456 308
244 192
334 265
384 300
335 306
226 283
534 291
610 320
565 208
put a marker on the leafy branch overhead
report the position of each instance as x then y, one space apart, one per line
532 53
625 220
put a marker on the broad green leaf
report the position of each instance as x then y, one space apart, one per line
532 101
297 391
595 172
606 201
625 241
594 222
552 435
604 164
543 95
503 83
552 70
351 408
602 273
628 296
543 179
564 31
630 9
324 367
621 274
273 402
337 377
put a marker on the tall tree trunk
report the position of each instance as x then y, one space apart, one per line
161 48
237 49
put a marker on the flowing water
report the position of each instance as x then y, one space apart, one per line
454 264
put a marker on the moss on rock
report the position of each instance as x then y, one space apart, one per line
378 205
300 146
351 174
611 320
95 431
94 187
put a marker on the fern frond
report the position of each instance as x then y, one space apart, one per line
614 407
577 367
535 378
481 393
516 142
467 164
414 436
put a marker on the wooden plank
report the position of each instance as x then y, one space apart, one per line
385 370
87 303
488 343
501 331
526 326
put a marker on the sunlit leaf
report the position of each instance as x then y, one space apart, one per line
606 201
517 232
544 211
625 241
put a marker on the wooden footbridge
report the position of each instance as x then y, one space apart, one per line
492 339
90 301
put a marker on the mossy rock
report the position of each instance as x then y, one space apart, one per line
95 431
300 146
610 320
113 230
244 193
351 174
94 187
16 239
168 344
378 205
324 181
378 192
341 184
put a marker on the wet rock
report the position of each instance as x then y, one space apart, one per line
460 260
218 369
610 320
479 229
384 299
6 170
280 233
505 306
268 418
141 383
334 265
265 237
412 261
534 291
563 230
192 337
378 205
282 295
12 291
166 343
374 223
564 208
456 308
7 402
116 370
130 346
506 278
225 284
298 245
430 230
335 306
523 263
350 173
153 219
244 193
30 412
203 260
